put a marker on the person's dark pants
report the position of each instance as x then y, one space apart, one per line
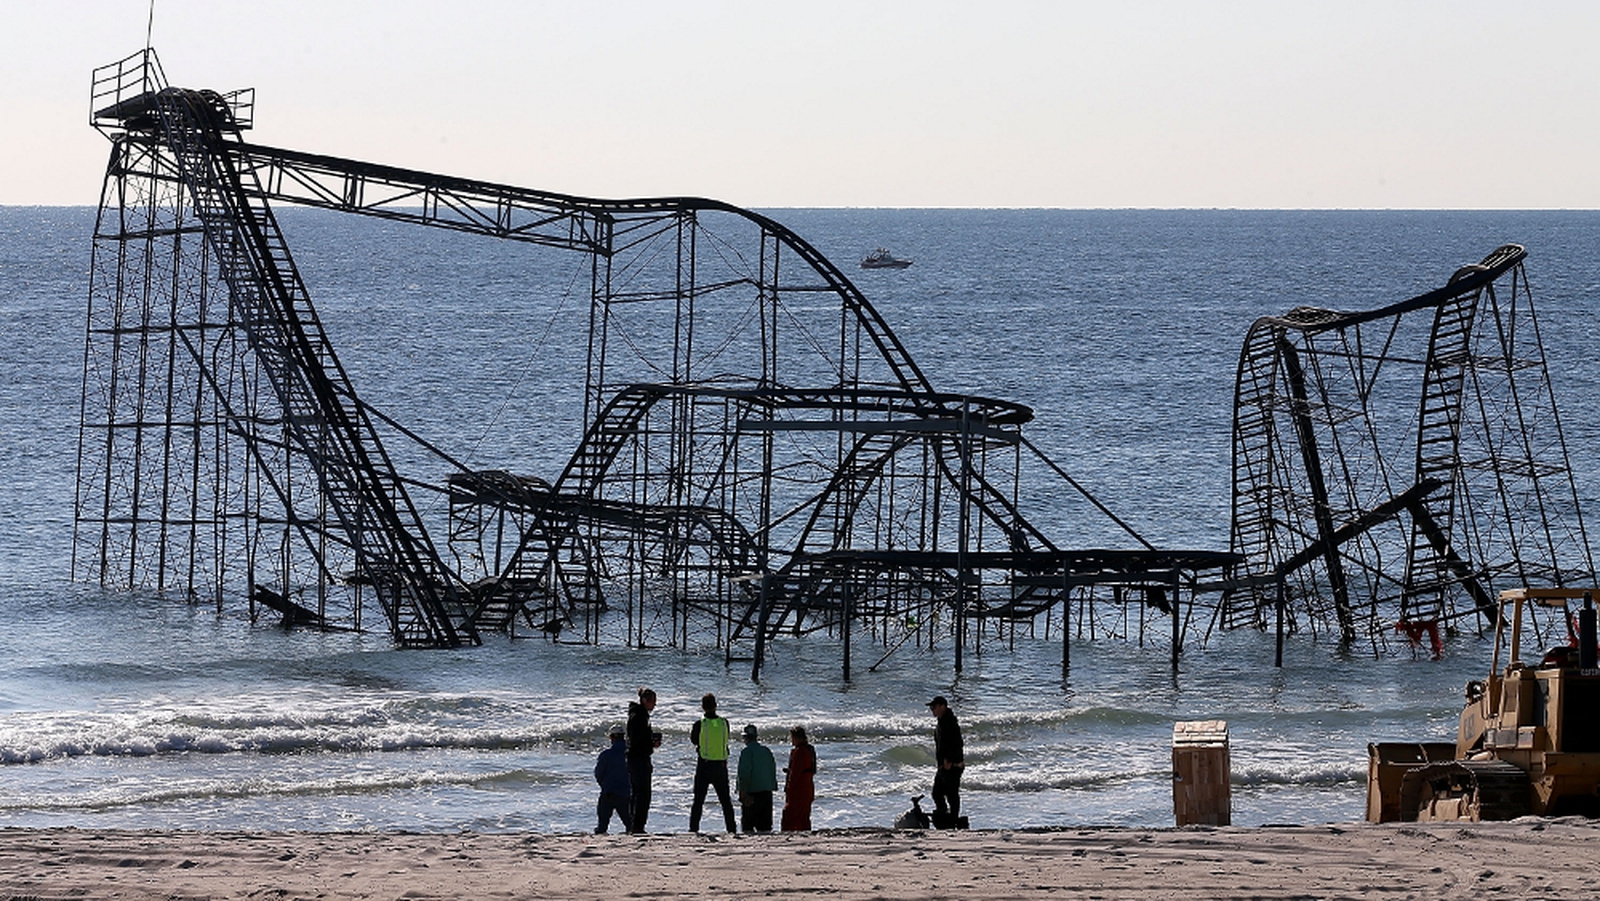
757 811
947 791
611 802
711 774
639 769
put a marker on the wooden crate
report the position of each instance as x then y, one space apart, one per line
1201 794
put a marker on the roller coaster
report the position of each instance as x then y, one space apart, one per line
760 454
1395 468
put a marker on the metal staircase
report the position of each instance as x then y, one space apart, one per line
551 574
322 418
1431 569
1254 495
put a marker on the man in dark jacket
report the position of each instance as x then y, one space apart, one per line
947 751
611 771
642 742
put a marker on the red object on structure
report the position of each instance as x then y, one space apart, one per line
1414 630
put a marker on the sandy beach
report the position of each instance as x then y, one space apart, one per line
1525 859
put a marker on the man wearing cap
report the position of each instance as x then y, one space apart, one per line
611 771
947 751
758 779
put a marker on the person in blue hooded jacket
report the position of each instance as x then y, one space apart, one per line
611 771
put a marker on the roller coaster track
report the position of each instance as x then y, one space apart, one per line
637 495
590 225
1300 430
1434 566
233 181
787 591
537 563
1256 500
537 568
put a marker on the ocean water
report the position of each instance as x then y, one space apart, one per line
1120 328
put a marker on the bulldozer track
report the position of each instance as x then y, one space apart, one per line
1473 790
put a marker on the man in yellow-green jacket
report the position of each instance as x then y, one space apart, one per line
710 737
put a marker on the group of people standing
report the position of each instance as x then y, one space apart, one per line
624 770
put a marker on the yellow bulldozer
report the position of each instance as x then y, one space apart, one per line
1529 737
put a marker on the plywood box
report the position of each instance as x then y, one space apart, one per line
1201 794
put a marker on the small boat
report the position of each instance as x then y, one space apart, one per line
882 259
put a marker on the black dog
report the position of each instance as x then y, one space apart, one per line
915 818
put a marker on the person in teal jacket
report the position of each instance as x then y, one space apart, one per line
710 737
758 779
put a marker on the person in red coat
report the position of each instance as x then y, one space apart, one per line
799 789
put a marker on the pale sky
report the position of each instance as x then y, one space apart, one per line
986 103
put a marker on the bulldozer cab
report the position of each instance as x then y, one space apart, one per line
1506 693
1534 702
1550 598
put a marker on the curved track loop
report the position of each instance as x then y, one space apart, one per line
1351 517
